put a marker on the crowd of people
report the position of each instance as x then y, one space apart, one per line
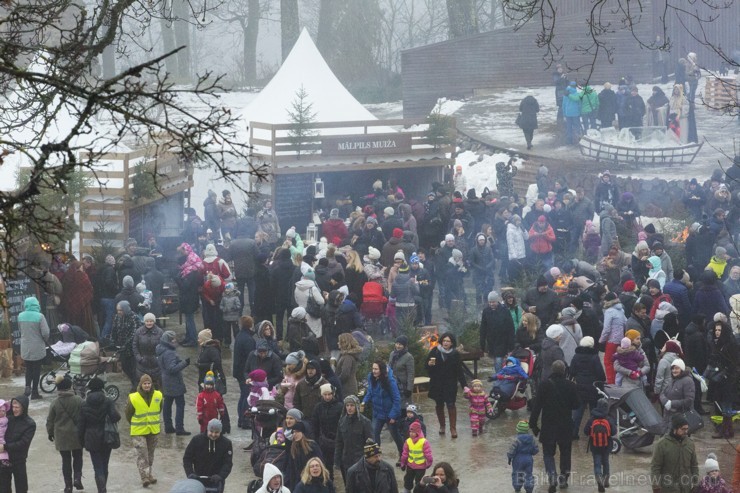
581 108
305 337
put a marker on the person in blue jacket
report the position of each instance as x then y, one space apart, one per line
521 458
383 396
572 113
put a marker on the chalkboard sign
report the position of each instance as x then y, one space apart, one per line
17 290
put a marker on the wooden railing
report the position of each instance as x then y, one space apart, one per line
275 146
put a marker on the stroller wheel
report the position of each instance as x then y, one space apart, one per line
47 382
495 411
616 446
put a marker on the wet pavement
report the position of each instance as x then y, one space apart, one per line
480 462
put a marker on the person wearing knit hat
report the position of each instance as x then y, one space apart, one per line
209 403
478 406
587 342
326 417
173 385
674 459
711 465
632 335
308 390
521 458
383 473
450 238
629 286
612 333
389 211
397 233
62 430
373 253
586 367
142 411
399 256
554 332
334 213
416 456
496 330
204 336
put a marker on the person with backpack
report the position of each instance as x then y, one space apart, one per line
600 428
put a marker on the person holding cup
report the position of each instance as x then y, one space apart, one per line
444 366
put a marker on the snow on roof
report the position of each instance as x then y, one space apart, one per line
305 66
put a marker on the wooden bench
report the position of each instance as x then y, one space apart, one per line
162 321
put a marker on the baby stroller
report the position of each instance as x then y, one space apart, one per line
60 360
510 383
265 417
373 308
637 420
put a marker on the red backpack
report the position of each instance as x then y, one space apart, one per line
601 430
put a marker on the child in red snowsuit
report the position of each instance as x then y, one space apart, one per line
479 404
209 402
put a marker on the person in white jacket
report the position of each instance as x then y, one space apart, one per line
303 289
272 480
516 238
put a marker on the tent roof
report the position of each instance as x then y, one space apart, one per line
305 66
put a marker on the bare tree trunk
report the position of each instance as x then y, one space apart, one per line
168 38
289 25
327 21
180 14
462 17
250 41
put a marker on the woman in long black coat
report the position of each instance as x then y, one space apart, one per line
607 106
91 428
585 369
527 121
722 373
444 366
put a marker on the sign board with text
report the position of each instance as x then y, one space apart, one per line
365 144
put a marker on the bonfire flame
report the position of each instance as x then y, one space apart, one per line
430 338
681 237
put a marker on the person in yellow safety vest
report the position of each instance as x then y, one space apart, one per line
142 411
416 457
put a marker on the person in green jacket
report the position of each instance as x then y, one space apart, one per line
61 426
589 108
674 467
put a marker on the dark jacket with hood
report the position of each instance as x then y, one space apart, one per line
171 367
209 358
91 423
696 349
556 399
244 344
154 281
271 364
352 432
144 346
20 432
551 352
325 419
585 369
243 251
280 277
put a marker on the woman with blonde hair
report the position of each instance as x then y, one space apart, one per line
354 275
526 334
315 478
349 360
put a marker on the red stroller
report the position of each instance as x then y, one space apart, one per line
510 384
373 308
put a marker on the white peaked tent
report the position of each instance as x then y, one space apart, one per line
304 66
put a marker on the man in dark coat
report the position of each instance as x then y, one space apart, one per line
243 252
282 289
634 111
210 214
496 330
606 192
556 399
543 302
209 454
325 423
173 385
18 437
607 106
244 345
527 120
154 281
371 474
264 359
353 430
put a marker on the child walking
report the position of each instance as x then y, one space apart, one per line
209 404
416 457
521 458
231 309
412 415
600 428
479 404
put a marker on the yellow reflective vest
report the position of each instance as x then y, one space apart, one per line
145 420
416 451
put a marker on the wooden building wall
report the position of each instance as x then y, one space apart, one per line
508 58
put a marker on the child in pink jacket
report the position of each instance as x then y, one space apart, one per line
416 457
479 404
